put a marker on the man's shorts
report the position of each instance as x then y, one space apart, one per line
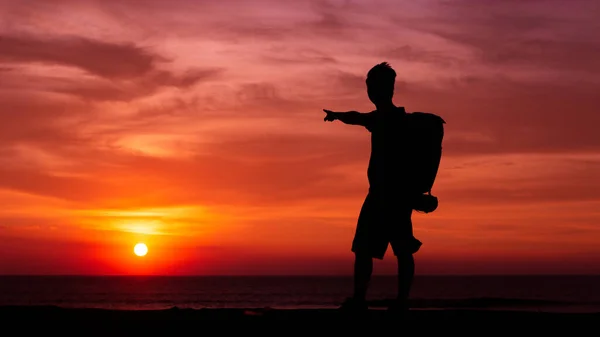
382 221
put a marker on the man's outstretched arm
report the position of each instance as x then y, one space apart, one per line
349 117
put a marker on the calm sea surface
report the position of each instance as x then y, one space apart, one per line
545 293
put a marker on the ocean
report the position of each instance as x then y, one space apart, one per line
539 293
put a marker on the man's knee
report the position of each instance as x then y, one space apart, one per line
405 257
362 258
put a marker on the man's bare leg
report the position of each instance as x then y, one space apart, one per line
406 273
363 268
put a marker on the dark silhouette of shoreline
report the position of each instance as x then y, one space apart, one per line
183 322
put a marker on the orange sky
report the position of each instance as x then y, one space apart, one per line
197 128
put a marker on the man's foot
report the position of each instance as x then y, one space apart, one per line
354 305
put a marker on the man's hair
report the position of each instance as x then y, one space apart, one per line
382 76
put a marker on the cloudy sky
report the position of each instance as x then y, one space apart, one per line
197 128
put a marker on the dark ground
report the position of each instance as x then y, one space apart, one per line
18 321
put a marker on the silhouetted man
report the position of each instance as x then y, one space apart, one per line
385 217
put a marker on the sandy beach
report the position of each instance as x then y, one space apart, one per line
177 321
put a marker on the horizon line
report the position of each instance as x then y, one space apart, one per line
284 275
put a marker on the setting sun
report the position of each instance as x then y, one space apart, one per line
140 249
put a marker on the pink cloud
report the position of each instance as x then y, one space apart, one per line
97 57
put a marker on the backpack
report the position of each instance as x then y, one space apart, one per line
425 136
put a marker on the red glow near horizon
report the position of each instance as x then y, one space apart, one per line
197 129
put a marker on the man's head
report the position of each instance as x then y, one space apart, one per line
380 83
